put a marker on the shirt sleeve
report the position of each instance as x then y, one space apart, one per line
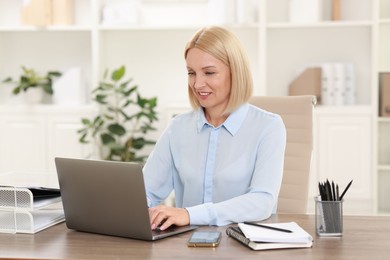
158 172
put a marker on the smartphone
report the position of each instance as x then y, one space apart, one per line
204 239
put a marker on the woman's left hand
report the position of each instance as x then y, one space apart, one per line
163 217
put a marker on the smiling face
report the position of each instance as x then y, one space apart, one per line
210 81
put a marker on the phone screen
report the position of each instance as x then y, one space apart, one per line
204 239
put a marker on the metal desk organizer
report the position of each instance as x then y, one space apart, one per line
329 209
20 212
329 217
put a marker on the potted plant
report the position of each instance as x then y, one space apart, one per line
33 84
125 117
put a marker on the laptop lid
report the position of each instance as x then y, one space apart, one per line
107 197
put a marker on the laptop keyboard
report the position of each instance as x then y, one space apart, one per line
158 231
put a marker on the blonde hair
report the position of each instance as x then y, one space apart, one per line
225 46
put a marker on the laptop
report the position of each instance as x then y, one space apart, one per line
107 197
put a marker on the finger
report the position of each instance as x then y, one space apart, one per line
167 223
159 216
153 213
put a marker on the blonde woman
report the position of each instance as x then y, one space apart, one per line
224 159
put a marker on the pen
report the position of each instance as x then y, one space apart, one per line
334 192
269 227
342 194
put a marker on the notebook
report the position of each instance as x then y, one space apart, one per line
107 197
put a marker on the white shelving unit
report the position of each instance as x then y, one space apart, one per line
152 51
383 123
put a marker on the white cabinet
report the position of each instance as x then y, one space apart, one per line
152 51
343 152
31 137
22 139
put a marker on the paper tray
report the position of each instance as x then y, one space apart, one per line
20 210
30 222
22 198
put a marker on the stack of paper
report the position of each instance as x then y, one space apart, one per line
261 238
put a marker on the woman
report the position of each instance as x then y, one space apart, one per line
224 159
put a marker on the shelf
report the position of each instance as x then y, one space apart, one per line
384 167
384 120
385 21
27 28
358 109
49 108
324 24
146 27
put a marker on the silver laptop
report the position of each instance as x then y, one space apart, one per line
107 197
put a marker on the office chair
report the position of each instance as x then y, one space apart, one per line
297 115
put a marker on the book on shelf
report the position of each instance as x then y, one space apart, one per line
36 12
333 83
308 82
384 110
338 84
47 12
350 84
257 238
305 11
62 12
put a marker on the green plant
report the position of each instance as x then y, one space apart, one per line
31 79
125 117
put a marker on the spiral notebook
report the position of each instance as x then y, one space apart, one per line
257 238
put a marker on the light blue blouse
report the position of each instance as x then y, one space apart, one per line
221 175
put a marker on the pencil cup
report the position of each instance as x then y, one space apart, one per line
329 217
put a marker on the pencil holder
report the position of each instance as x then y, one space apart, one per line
329 217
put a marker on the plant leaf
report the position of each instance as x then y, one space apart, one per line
54 74
7 80
85 121
107 138
47 88
117 129
118 74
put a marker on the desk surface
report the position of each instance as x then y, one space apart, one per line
363 238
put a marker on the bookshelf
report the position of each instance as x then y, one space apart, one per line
152 50
383 123
343 135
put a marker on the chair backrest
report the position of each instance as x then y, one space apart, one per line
297 115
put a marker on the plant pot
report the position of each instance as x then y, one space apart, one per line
33 96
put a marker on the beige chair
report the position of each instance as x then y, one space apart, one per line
297 115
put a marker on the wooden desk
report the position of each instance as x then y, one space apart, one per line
364 238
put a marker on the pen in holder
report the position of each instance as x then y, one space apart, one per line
329 217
